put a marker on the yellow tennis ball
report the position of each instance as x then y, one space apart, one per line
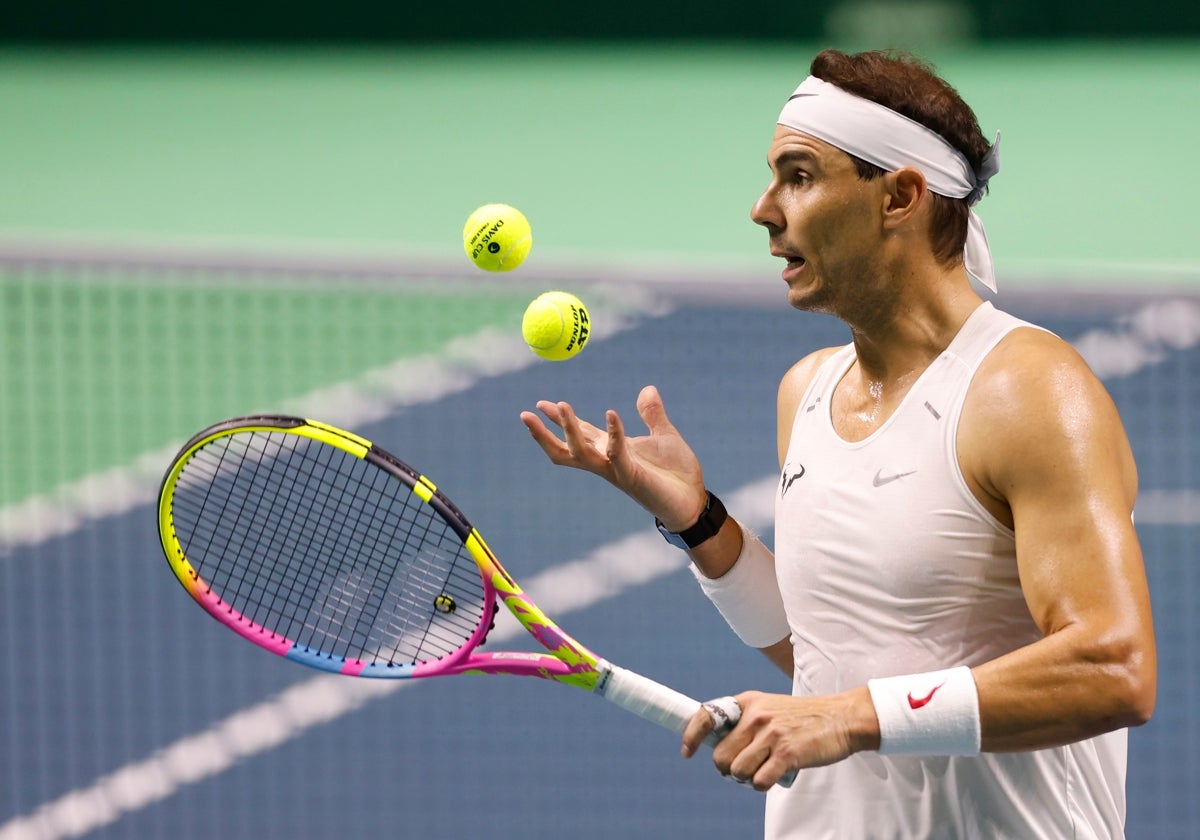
556 325
497 237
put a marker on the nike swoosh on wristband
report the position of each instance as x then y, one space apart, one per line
881 479
918 702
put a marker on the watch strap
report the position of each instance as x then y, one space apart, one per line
707 526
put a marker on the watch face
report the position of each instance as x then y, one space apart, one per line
674 539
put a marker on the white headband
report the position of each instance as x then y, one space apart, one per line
891 141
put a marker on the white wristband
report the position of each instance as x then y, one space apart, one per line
935 713
747 596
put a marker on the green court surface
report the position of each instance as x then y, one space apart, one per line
649 150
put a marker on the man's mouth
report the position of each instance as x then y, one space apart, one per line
795 263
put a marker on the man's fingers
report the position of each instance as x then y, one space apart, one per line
653 412
651 409
574 448
546 439
617 451
550 409
572 430
586 443
696 731
771 773
750 766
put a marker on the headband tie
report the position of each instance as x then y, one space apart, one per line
891 141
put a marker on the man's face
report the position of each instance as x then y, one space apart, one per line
824 220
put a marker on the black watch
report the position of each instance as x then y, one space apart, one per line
710 521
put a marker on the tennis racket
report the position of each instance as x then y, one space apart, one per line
321 547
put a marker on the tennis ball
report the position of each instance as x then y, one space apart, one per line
556 325
497 237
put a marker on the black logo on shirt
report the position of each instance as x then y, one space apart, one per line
787 478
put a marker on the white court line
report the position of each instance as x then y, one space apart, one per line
602 574
1168 507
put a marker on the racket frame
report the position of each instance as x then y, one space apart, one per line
568 661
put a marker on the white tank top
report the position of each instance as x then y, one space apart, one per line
889 565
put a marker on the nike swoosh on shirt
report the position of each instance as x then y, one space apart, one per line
918 702
881 479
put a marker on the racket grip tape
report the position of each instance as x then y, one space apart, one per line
668 708
646 698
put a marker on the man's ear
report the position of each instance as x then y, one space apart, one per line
906 189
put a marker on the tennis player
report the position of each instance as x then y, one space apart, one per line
957 590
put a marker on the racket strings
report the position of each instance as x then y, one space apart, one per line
259 518
326 550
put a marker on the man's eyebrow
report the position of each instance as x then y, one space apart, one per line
793 157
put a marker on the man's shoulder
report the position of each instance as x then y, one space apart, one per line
1030 360
799 376
1031 379
1033 408
803 371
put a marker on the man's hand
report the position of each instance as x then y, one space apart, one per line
659 471
778 733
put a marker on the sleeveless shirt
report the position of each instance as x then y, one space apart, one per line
889 565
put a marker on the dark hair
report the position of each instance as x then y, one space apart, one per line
910 86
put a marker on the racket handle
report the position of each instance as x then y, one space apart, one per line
647 699
656 703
